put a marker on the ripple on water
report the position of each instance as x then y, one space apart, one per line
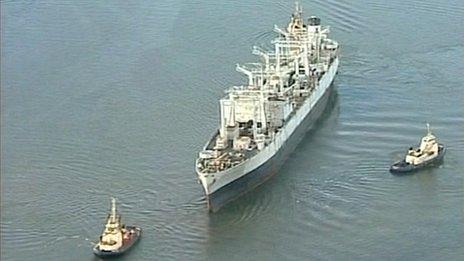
426 7
343 15
23 238
255 204
319 208
263 39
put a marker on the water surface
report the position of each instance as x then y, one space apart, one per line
116 98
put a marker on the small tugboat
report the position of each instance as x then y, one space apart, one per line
116 238
428 153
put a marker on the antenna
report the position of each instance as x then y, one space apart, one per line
113 208
298 9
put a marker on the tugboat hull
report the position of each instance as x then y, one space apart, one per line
402 167
127 244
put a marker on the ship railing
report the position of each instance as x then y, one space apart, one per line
258 69
244 90
290 43
295 37
297 33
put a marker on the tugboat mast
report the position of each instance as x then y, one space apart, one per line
113 210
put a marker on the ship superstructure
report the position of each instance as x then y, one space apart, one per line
257 119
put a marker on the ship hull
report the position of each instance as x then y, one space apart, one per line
259 175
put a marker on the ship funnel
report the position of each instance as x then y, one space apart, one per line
314 21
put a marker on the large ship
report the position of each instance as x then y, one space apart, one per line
262 122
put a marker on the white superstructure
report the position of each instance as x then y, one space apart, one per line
427 150
259 117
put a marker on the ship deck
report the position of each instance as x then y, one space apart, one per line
229 157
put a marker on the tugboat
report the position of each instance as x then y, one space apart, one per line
428 153
116 238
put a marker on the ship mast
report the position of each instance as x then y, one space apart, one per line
298 9
113 210
428 129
